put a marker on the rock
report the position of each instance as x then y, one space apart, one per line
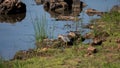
117 40
91 50
88 36
64 38
38 2
97 41
44 49
67 10
90 26
55 4
72 37
12 18
66 18
64 5
72 34
83 5
92 12
1 1
69 39
12 7
23 54
59 5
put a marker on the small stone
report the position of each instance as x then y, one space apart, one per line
117 40
64 38
44 49
97 41
72 34
91 50
92 12
118 46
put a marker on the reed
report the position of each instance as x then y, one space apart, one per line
40 28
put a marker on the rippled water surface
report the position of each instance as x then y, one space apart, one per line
17 31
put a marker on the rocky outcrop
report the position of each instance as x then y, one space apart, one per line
12 7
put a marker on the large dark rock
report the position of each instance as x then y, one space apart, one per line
12 7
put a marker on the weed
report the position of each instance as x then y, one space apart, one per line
40 28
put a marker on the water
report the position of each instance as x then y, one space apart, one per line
17 32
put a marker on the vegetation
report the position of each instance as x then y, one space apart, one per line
40 28
2 65
109 23
74 57
107 56
112 22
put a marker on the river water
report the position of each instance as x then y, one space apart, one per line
17 31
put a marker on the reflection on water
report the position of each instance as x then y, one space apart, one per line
12 18
63 8
21 36
39 2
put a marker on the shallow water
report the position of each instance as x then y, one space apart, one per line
17 33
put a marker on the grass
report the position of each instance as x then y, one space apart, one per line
112 22
1 65
40 28
107 56
73 57
109 23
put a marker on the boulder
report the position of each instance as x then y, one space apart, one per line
12 7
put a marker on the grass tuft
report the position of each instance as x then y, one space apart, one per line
40 28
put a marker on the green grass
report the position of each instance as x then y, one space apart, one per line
2 65
107 56
73 57
109 23
40 28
